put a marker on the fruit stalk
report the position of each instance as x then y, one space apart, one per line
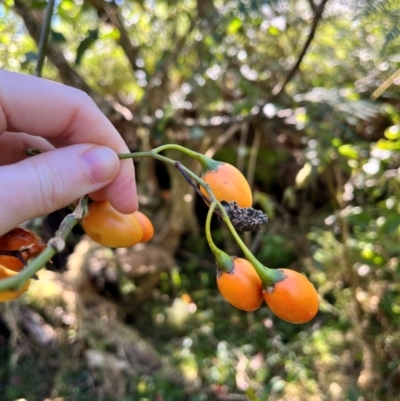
268 276
224 261
154 154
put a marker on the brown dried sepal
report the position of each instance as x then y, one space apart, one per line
245 218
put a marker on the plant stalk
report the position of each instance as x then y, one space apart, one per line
44 38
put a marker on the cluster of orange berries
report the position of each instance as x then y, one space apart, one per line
293 299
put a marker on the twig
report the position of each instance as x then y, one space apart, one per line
68 75
257 240
313 5
244 131
378 92
129 49
253 156
44 37
178 165
222 139
317 17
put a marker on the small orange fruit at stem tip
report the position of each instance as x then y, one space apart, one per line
293 299
8 295
242 287
147 226
228 184
110 228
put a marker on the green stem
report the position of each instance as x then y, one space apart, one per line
210 241
55 245
207 163
154 154
171 146
224 261
268 276
17 282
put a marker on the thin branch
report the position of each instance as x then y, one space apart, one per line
124 41
179 166
313 5
317 17
378 92
33 21
44 37
222 139
255 147
244 132
253 156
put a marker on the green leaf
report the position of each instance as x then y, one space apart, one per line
348 151
57 37
67 5
388 145
361 219
85 44
393 132
234 26
113 34
274 31
38 5
391 223
266 202
303 177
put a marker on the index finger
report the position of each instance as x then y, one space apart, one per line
65 116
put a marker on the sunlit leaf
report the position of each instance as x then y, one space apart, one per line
85 44
38 5
348 151
234 26
393 132
67 5
274 31
303 176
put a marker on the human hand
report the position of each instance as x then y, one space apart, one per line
79 146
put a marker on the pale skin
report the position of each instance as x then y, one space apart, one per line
79 145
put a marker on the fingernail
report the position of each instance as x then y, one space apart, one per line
102 163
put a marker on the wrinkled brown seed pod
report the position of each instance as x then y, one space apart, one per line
245 219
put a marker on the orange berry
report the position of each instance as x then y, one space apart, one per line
8 295
108 227
147 226
228 184
242 287
293 299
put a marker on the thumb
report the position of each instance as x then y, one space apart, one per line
52 180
